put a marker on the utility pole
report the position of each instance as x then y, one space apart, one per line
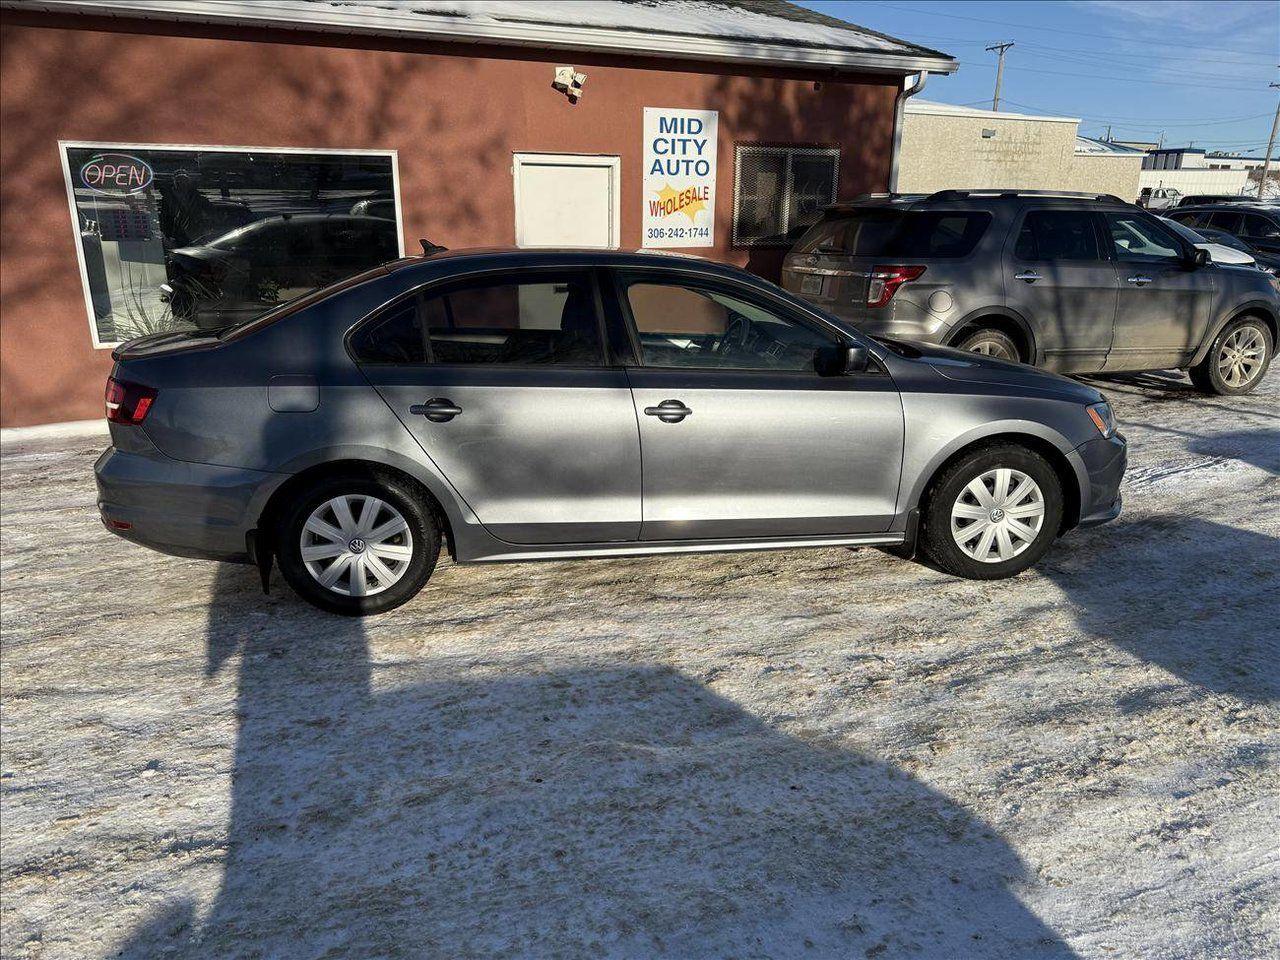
1271 143
1001 48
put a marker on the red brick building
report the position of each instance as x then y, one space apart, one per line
181 163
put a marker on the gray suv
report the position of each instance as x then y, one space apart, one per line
522 405
1072 283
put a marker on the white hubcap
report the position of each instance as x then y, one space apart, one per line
1241 356
998 515
356 545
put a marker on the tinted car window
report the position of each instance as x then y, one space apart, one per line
1260 227
1139 238
1191 219
688 325
1057 235
392 336
897 233
550 320
1225 220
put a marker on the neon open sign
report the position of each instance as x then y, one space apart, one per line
116 174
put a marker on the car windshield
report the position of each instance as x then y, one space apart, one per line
1184 231
1227 240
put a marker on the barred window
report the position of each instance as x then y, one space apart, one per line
778 192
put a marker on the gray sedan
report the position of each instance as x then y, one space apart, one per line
521 405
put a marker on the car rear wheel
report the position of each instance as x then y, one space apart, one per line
992 513
358 546
990 343
1238 359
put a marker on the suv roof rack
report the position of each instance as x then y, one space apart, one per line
942 195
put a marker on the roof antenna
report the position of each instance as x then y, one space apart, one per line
428 248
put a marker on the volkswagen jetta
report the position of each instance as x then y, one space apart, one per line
525 405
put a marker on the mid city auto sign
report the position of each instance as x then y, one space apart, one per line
679 177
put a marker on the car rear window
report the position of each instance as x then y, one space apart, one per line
919 234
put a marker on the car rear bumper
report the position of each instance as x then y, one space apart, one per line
1104 461
185 509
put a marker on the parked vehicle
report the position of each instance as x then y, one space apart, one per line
1074 283
1218 252
1257 223
384 207
1159 198
1195 199
240 274
1270 262
509 403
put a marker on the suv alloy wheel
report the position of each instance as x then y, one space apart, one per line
1237 360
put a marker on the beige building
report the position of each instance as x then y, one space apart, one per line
950 147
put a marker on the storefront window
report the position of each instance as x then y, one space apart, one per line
778 192
200 237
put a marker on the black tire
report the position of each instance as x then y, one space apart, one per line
936 540
422 529
1206 375
990 342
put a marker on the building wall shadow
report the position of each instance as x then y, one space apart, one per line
599 809
1194 597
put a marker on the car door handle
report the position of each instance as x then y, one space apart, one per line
1028 275
669 411
1139 280
437 410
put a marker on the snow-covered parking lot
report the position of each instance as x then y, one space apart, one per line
802 754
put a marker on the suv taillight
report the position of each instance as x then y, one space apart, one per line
885 282
128 402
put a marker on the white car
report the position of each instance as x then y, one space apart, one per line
1218 252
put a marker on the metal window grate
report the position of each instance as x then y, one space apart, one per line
779 191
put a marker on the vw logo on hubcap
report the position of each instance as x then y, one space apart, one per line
356 545
997 515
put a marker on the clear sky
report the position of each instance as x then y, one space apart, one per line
1195 69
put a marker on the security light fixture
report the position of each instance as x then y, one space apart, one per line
569 82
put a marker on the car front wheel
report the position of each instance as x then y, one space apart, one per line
1236 362
993 513
357 545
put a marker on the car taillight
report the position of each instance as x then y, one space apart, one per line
885 282
128 402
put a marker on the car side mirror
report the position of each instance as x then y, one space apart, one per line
1199 258
856 359
840 360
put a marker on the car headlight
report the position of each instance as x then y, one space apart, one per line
1103 418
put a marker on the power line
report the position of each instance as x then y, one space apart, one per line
1156 122
1090 76
1094 35
1141 58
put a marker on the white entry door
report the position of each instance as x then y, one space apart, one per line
566 200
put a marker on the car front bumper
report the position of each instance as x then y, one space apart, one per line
185 509
1105 460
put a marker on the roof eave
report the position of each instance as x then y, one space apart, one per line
462 30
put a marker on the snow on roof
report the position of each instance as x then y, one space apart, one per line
1088 146
934 108
772 31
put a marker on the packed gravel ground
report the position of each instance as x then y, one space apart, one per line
800 754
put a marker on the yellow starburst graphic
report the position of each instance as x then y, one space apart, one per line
671 201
